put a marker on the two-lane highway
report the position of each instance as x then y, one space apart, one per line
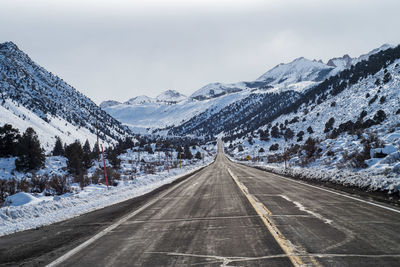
233 215
206 220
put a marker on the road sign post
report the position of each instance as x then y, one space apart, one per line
166 156
104 163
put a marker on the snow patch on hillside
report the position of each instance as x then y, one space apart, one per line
21 118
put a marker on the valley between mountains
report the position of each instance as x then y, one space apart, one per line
300 166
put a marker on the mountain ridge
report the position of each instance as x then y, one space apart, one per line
34 94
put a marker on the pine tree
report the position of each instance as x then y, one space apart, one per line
187 154
74 155
87 155
275 132
58 149
289 134
96 151
198 155
8 140
30 154
112 156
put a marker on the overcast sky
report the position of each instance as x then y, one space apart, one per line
119 49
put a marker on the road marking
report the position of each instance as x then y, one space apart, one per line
337 193
302 208
226 260
320 188
193 219
112 227
290 250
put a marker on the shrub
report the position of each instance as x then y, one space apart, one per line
275 132
112 177
329 125
7 188
380 116
362 115
23 185
300 136
274 147
289 134
96 176
382 100
310 130
386 78
355 159
59 185
39 183
310 147
198 155
149 169
372 100
83 180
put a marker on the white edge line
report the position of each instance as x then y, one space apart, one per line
111 227
336 193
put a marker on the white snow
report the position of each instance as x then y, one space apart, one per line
28 211
158 115
21 118
301 69
382 172
20 199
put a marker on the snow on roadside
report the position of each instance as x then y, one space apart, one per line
362 179
36 211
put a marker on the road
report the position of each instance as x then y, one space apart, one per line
233 215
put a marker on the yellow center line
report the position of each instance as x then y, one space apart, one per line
265 214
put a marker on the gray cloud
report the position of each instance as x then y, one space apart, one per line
120 49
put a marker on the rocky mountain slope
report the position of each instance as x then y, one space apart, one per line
210 110
344 130
33 97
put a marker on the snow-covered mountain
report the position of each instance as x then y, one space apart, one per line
33 97
218 105
345 130
299 70
138 100
213 90
166 97
260 107
171 97
141 113
109 103
341 62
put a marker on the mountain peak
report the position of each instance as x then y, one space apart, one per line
300 69
8 46
139 100
342 62
170 96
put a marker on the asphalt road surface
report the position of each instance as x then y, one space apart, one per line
227 214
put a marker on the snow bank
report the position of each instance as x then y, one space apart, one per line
28 211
